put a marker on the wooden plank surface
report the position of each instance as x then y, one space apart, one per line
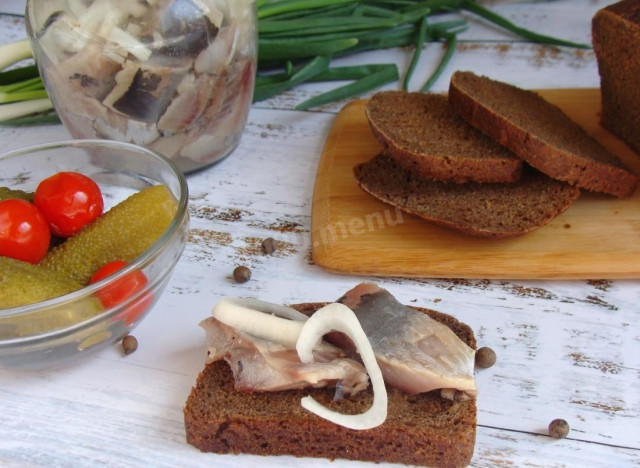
353 233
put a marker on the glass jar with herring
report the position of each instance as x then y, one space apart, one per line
175 76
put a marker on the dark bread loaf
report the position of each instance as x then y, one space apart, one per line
422 429
616 42
423 134
485 210
540 133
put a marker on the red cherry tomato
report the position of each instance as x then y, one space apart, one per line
69 201
123 289
24 233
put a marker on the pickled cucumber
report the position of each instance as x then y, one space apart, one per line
23 283
7 193
124 232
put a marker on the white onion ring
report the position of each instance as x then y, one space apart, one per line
340 318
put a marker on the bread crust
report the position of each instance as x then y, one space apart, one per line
543 152
424 429
410 127
616 40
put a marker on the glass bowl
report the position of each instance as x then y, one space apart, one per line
176 77
61 330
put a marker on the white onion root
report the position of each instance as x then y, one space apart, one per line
261 319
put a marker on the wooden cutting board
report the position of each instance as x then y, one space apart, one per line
598 237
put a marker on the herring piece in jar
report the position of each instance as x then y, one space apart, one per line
219 54
225 126
191 100
186 29
144 91
88 73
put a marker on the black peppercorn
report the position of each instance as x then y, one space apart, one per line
559 428
269 245
485 357
241 274
129 344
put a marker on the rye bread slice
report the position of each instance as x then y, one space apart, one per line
540 133
423 429
484 210
423 134
615 32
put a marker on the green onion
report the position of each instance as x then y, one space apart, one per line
271 8
308 71
16 110
360 86
35 119
22 92
281 49
509 26
451 48
422 35
354 72
295 30
297 41
17 74
14 52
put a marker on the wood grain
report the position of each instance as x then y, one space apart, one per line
353 233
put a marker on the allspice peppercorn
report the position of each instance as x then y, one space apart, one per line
559 428
129 344
485 357
241 274
269 245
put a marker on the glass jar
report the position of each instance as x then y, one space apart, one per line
175 76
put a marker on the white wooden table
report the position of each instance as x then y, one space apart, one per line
566 349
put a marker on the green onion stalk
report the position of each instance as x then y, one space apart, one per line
23 98
297 43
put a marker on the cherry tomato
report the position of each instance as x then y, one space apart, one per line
69 201
123 289
24 233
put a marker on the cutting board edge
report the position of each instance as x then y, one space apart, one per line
577 273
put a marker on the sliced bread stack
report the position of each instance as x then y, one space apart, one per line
425 135
539 133
458 162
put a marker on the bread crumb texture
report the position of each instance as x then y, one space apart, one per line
485 210
539 133
422 133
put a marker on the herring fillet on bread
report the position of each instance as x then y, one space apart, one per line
423 429
483 210
540 133
423 134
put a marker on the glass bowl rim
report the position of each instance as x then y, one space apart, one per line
147 257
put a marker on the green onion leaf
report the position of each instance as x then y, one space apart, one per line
422 35
363 85
446 58
509 26
314 67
